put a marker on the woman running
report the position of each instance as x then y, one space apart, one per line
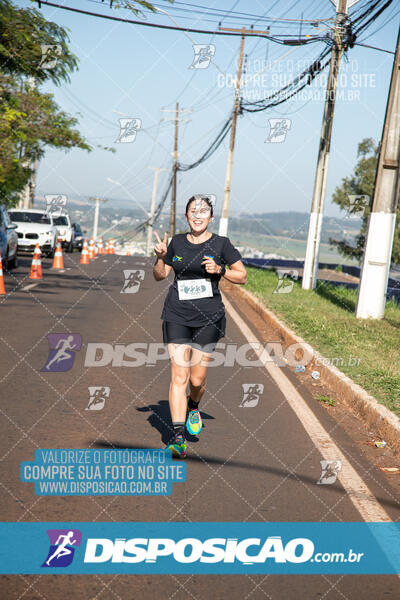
193 314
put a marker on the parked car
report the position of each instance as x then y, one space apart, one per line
8 240
78 236
34 225
65 231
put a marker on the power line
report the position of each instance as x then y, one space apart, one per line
145 24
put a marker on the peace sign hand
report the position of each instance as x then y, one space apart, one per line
161 248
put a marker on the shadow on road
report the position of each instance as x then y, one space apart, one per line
160 419
335 488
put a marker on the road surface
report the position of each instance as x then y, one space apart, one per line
250 463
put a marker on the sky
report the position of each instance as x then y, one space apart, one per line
131 71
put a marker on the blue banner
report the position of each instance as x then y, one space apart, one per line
215 548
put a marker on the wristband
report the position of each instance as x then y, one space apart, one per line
222 271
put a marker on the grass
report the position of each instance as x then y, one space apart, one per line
367 350
326 400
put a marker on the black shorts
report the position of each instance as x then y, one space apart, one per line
204 338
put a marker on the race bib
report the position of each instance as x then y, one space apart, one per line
191 289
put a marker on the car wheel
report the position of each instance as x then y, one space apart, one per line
70 247
51 253
12 263
6 260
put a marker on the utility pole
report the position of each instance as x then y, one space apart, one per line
381 223
174 174
223 223
175 166
152 206
317 208
96 215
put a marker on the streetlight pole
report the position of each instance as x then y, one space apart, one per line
152 206
96 215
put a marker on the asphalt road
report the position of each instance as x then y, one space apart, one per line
248 464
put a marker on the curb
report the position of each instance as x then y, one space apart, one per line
379 418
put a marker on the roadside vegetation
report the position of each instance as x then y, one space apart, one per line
366 350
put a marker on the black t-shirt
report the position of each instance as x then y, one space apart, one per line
185 259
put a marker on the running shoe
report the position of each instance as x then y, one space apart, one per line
194 424
178 447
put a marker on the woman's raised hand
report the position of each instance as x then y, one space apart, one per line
161 248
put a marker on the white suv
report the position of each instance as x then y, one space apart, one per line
34 225
65 230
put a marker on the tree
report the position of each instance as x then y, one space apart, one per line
25 35
132 5
361 184
29 119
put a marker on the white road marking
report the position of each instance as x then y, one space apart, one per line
358 492
29 287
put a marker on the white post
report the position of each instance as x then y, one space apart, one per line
379 241
96 218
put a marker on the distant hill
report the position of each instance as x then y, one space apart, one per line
293 225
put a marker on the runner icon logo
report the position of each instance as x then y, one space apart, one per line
330 470
133 279
62 351
128 130
50 54
55 204
278 130
251 394
286 279
62 547
203 54
357 205
98 396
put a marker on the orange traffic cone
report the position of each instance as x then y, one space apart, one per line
36 268
101 249
107 248
128 252
85 253
92 254
112 248
2 288
58 262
